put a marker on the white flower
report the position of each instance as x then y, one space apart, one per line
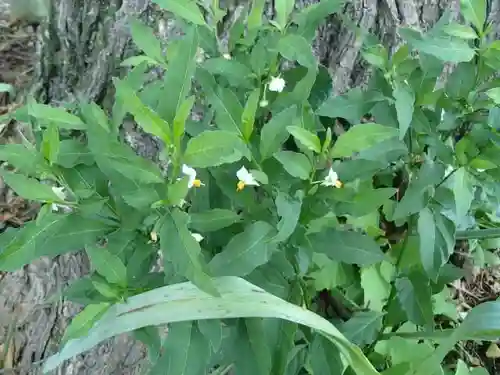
332 179
480 170
154 236
227 56
59 191
191 173
277 84
245 178
263 103
64 208
198 237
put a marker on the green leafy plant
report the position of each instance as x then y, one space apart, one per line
288 245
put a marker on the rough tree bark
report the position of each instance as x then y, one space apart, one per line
80 50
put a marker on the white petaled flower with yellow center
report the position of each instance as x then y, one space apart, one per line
245 178
198 237
191 173
331 179
277 84
227 56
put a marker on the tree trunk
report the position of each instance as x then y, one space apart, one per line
79 51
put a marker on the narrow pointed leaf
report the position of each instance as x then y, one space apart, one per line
185 302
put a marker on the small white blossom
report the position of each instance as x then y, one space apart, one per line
277 84
332 179
480 170
59 191
227 56
191 173
198 237
245 178
263 103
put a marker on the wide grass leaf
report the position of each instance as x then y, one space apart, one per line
185 302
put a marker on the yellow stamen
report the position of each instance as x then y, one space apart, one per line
339 184
240 186
197 183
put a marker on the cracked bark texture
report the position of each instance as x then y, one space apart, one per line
79 51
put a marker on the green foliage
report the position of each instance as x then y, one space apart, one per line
298 232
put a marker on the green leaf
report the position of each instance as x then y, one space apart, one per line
405 99
283 10
107 264
185 302
274 133
351 106
324 358
248 115
460 31
346 246
494 94
50 143
114 158
289 210
228 110
138 60
29 188
474 11
182 251
245 251
94 114
296 164
144 38
360 137
255 16
444 48
414 294
463 191
253 354
212 330
187 9
148 119
215 147
82 323
25 159
180 119
180 72
309 18
427 235
376 55
363 327
212 220
236 73
293 47
58 116
305 137
185 351
178 191
376 284
150 337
